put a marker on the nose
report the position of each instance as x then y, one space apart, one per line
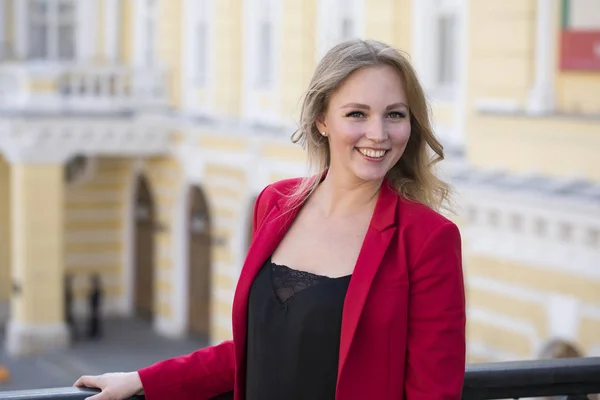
376 131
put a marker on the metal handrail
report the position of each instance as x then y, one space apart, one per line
572 377
66 393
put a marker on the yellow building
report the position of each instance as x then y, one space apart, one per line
135 135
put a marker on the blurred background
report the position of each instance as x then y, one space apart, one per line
136 134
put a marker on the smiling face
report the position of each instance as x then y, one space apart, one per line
367 123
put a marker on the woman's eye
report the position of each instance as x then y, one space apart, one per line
396 115
355 114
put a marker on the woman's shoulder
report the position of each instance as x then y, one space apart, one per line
426 231
420 218
281 188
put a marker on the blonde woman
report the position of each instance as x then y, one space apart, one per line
352 287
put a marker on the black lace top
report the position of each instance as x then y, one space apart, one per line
294 324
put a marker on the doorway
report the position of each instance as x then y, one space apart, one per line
144 250
199 263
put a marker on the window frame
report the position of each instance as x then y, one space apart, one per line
265 63
193 84
424 48
52 24
262 99
427 46
85 32
149 53
332 14
4 49
201 51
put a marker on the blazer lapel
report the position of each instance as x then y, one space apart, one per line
379 234
267 239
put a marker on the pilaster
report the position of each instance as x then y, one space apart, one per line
37 259
542 97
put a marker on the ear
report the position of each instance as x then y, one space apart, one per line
320 122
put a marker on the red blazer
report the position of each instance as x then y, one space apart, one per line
403 322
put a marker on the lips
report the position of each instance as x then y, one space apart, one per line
372 153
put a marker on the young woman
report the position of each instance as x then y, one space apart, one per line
352 287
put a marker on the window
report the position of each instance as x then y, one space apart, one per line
437 45
347 24
445 46
150 25
338 21
265 67
3 40
202 42
51 30
445 74
262 32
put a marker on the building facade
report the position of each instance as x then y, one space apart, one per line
136 134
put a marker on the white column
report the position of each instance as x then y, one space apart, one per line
541 97
111 30
563 317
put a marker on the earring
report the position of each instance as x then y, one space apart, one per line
324 134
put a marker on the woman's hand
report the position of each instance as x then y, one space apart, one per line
114 386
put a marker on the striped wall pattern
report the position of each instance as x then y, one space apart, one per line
94 227
165 178
225 188
531 274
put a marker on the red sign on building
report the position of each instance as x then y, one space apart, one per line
580 37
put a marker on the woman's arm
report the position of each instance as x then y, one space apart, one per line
202 374
436 319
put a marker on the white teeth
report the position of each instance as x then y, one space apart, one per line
372 153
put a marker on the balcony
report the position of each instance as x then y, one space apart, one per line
574 378
79 89
67 110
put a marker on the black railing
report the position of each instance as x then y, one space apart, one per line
68 393
573 378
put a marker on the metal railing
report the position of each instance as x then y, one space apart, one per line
572 378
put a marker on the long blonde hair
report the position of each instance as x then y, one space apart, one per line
413 175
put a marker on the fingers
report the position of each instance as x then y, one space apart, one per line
87 381
99 396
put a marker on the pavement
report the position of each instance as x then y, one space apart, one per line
127 345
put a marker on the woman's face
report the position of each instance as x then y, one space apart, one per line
367 124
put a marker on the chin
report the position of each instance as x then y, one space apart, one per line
371 175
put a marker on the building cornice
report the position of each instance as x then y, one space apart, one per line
55 140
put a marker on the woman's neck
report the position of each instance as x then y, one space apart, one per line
341 197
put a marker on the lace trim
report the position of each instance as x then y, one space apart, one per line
287 281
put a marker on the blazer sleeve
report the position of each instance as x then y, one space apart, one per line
205 373
202 374
436 321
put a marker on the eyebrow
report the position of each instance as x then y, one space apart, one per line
366 107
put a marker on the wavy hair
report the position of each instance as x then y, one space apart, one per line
413 175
